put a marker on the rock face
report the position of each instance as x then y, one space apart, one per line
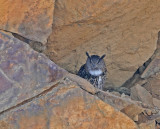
126 31
156 102
152 85
141 94
154 65
66 106
149 125
24 73
153 68
35 93
31 19
143 114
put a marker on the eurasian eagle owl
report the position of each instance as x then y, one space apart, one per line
94 70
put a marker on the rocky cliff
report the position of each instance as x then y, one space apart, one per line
43 42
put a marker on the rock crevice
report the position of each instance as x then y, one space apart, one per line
141 73
36 93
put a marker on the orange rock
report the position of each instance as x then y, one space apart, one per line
132 111
66 106
31 19
24 73
123 29
148 125
139 93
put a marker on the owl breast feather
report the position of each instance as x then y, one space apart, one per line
95 72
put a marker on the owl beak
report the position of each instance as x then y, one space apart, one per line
96 68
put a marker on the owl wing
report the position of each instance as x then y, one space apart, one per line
105 71
82 72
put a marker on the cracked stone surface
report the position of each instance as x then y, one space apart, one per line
24 73
31 19
138 111
139 93
126 31
153 67
153 85
35 93
66 106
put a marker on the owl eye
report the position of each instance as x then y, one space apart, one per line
91 61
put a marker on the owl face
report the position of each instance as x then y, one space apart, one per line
95 64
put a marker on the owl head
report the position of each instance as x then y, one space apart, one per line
95 64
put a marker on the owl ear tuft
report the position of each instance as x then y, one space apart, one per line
101 58
88 55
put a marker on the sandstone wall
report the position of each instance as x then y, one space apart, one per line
31 19
125 30
37 94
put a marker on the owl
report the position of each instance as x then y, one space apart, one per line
94 70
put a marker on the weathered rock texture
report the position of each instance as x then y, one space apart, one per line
66 107
24 73
143 114
154 65
153 85
31 19
126 31
37 94
141 94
